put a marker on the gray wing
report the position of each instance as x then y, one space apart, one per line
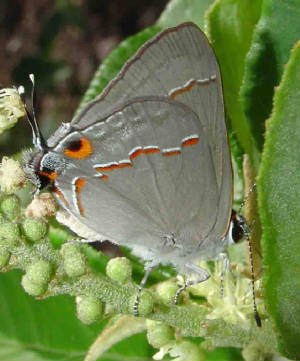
150 175
178 63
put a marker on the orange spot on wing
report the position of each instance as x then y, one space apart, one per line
49 175
191 141
80 182
136 153
79 149
107 168
151 150
60 195
124 165
111 167
173 152
104 177
183 89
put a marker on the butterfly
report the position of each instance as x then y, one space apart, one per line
147 164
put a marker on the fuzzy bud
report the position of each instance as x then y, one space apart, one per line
166 292
33 289
12 176
34 229
39 272
119 269
145 305
10 206
42 206
9 234
158 333
74 262
89 309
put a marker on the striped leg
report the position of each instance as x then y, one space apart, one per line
141 286
203 276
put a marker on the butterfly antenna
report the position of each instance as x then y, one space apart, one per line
246 197
37 137
256 314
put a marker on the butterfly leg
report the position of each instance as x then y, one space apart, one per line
141 286
203 276
225 268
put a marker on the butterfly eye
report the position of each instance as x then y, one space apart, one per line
238 231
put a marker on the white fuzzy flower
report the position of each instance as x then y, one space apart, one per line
236 305
12 176
11 108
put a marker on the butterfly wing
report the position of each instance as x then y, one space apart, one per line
150 174
180 64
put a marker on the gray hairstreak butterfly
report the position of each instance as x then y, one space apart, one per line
147 163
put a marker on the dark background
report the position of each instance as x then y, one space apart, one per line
62 43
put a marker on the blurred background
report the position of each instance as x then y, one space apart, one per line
62 42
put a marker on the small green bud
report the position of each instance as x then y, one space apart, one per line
10 206
33 289
4 257
34 229
69 249
146 303
166 292
75 265
119 269
39 272
89 309
74 262
158 333
9 234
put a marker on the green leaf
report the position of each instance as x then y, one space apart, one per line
230 28
179 11
44 330
275 34
114 62
40 330
279 195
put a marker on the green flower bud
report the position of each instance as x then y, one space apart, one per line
146 303
74 262
166 292
158 333
89 309
187 350
39 272
4 257
75 265
119 269
69 249
9 234
33 289
34 229
10 206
